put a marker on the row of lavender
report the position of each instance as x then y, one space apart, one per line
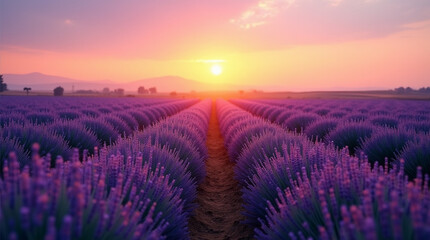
109 119
43 110
294 188
141 187
381 129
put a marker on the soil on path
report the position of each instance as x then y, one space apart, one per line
218 215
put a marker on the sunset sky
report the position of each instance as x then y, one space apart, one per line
271 44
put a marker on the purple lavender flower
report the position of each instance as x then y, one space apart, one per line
28 134
416 154
350 134
385 143
319 129
103 130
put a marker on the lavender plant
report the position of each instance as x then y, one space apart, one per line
76 135
263 148
90 113
182 145
337 114
348 200
417 126
8 146
128 119
322 111
384 121
119 125
11 118
385 144
246 134
40 117
141 119
236 127
284 116
152 114
299 122
104 110
350 134
104 131
182 127
72 201
293 161
69 115
320 128
27 135
416 154
356 117
156 156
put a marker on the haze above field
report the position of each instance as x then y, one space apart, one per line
42 82
269 45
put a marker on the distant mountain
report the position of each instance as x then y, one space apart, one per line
39 81
35 78
42 82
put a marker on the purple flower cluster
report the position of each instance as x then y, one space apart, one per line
77 135
12 145
27 134
349 200
379 128
294 188
73 201
140 187
416 154
63 123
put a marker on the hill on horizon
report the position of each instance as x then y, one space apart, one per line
43 82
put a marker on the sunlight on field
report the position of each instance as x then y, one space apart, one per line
264 119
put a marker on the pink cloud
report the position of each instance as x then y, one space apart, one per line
173 29
301 22
261 12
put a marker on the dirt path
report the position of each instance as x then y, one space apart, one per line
219 197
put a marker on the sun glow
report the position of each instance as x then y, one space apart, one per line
216 69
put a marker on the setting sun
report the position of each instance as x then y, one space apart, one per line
216 69
185 118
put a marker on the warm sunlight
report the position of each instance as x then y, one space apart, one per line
199 98
216 69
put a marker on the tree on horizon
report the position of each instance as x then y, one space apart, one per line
153 90
119 91
106 90
142 90
3 86
27 89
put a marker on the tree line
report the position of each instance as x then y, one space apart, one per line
58 91
402 90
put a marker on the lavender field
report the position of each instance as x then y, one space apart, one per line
165 168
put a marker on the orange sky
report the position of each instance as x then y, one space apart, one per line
272 45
